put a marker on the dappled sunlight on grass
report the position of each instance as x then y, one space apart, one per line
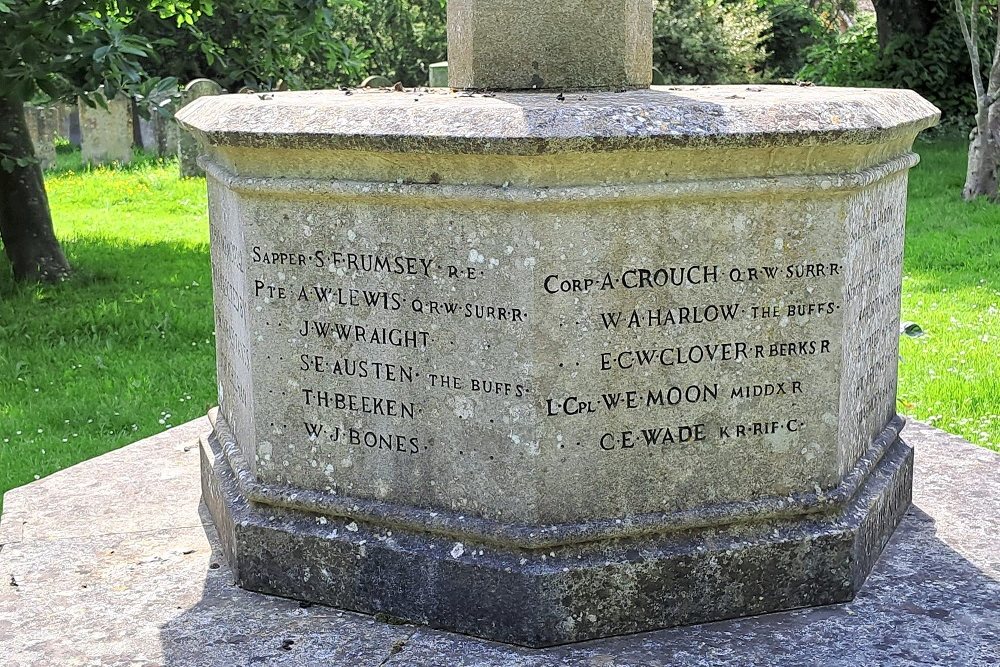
125 348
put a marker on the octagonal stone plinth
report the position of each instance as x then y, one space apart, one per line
544 369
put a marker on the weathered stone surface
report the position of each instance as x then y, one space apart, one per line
113 561
562 593
106 134
187 148
43 126
526 45
69 123
577 350
763 129
159 134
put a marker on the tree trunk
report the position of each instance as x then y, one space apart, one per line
25 220
904 17
981 179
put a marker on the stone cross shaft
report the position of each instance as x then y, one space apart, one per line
550 44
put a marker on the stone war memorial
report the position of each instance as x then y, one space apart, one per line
513 369
553 355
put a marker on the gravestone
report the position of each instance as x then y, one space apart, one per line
43 125
188 150
560 364
376 81
69 123
106 134
438 75
159 134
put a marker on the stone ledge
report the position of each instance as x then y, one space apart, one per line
435 120
562 197
92 591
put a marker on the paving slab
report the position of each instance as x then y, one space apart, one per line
115 562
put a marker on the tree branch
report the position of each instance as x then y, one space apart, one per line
993 87
974 26
969 34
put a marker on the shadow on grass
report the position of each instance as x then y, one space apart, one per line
121 350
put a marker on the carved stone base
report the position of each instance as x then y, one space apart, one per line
549 596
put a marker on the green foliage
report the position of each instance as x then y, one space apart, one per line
936 66
794 27
62 49
850 58
257 43
399 38
708 41
304 43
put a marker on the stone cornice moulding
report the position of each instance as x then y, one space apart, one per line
559 197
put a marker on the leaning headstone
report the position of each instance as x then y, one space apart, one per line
188 150
106 134
69 123
43 126
438 75
376 81
159 133
548 366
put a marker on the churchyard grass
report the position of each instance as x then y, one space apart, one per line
125 349
950 376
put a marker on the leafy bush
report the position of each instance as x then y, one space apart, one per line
256 43
708 41
794 27
936 66
305 43
397 39
850 58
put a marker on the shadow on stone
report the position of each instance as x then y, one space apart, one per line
925 603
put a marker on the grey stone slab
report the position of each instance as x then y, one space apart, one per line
43 125
106 133
154 598
103 502
159 134
69 123
438 75
536 124
566 593
933 599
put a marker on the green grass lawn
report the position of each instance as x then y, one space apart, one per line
126 349
950 376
